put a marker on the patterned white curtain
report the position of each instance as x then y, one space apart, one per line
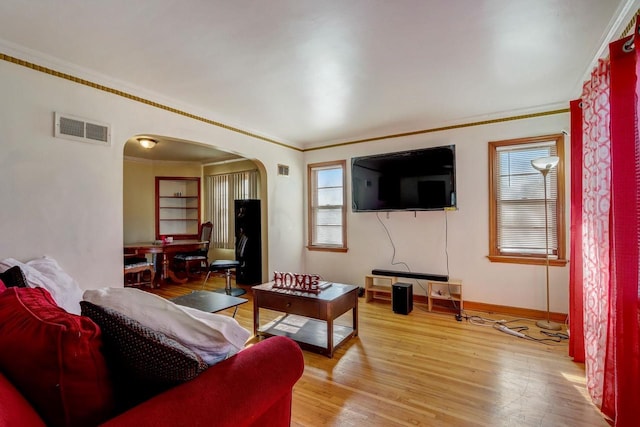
596 193
221 191
605 285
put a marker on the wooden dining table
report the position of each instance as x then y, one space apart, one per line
165 253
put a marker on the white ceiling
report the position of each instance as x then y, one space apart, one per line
316 72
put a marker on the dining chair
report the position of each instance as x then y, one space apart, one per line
138 271
188 260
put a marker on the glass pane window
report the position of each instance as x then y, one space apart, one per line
327 206
519 194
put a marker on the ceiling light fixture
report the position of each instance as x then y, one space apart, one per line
147 142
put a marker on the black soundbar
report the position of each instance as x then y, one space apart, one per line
411 275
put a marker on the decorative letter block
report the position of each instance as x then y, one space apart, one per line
297 282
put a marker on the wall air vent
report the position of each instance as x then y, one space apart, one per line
83 130
283 170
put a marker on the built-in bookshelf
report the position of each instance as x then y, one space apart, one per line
177 207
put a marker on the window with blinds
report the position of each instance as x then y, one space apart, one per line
327 206
221 191
517 200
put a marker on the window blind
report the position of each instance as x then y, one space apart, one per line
222 190
521 201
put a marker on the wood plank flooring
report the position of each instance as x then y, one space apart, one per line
427 369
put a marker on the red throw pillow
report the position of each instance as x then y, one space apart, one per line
54 358
2 286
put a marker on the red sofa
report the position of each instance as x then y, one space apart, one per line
252 388
60 369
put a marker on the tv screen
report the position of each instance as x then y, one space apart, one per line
423 179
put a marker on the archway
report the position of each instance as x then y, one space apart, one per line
180 158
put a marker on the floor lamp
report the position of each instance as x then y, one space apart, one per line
544 165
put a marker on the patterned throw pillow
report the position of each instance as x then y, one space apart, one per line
143 362
214 337
14 277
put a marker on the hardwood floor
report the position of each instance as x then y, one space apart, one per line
427 369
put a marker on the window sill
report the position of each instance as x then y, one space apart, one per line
527 260
327 248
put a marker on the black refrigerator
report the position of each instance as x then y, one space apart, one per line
248 242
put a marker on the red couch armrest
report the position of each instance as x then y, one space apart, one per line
236 392
15 411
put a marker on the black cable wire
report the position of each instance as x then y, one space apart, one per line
393 256
555 338
560 335
446 241
446 253
473 319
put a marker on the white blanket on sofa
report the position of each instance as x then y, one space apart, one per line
212 336
46 273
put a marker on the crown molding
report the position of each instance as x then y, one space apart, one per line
104 83
622 21
548 110
100 82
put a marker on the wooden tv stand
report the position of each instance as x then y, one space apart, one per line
374 289
445 291
381 286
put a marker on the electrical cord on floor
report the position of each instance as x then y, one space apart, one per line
476 320
517 331
560 335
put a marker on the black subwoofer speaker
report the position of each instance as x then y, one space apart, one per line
402 298
248 242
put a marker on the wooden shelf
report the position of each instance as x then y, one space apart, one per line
178 197
373 288
381 287
177 207
310 334
445 291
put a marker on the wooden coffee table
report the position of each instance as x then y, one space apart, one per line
209 301
308 317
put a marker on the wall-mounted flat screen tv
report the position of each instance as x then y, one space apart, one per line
423 179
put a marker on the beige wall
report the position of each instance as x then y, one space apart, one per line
139 198
138 194
67 197
138 202
442 242
230 167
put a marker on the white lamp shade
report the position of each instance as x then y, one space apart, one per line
545 164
